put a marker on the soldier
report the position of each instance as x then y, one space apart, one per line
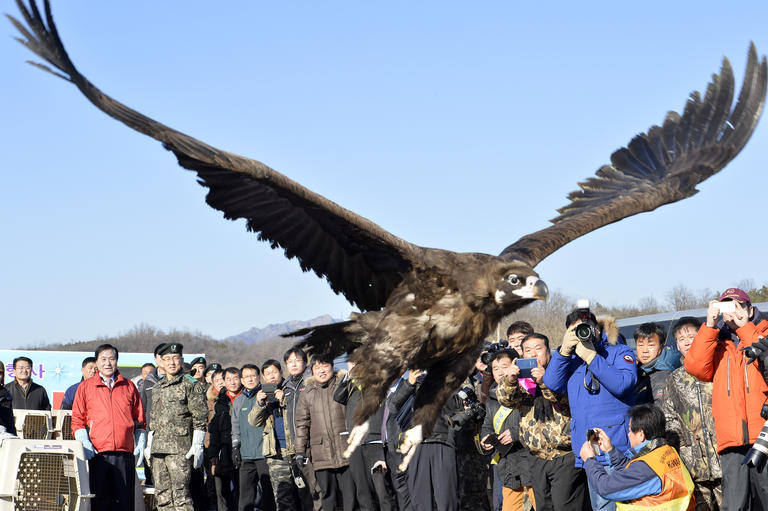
179 413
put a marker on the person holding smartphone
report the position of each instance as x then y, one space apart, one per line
738 392
545 429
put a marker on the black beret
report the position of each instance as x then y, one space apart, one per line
213 367
198 360
171 347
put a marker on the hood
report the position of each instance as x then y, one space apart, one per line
668 360
210 393
610 329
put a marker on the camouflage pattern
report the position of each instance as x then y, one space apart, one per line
178 408
281 477
709 496
687 406
546 440
172 473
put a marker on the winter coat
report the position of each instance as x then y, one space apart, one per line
250 439
607 407
290 398
320 428
6 411
264 417
35 398
738 390
442 432
146 393
110 415
546 439
652 375
512 459
219 450
687 405
348 393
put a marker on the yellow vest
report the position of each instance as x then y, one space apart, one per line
676 484
498 421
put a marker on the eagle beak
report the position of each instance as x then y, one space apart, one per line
535 289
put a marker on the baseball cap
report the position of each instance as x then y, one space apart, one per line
734 293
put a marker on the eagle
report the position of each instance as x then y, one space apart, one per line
422 307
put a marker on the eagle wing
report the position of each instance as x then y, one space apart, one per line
661 166
358 258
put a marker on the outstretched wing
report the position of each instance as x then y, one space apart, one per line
661 166
358 258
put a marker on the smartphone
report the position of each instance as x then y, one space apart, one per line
592 439
525 365
493 440
729 307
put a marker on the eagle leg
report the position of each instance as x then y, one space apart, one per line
356 437
442 381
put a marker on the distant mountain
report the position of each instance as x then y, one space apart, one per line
256 335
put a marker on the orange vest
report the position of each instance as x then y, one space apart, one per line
676 484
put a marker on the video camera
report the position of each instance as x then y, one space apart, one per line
473 409
587 330
490 348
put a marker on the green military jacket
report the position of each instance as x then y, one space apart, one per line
178 408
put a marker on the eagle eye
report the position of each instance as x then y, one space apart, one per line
512 279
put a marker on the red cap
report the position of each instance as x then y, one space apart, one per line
734 293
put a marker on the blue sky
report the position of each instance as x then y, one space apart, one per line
453 125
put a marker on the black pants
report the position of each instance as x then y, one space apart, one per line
432 473
255 473
335 481
557 484
226 497
742 484
399 480
112 477
379 482
197 489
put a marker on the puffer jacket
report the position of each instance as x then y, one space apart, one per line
738 390
511 460
652 375
321 431
219 449
687 406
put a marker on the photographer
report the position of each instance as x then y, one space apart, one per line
599 376
501 432
269 415
545 429
650 475
738 391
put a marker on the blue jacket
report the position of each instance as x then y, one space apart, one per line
624 483
615 370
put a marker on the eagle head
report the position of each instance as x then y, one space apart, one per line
516 285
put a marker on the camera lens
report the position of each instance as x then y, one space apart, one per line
583 332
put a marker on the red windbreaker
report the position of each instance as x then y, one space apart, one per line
110 415
738 390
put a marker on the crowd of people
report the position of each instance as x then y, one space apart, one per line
592 424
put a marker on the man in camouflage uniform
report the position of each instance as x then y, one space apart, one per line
687 406
179 414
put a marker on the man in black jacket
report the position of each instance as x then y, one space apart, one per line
432 473
501 431
219 449
368 462
27 395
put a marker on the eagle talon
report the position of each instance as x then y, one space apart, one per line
356 437
411 440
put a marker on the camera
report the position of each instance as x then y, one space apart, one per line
490 348
757 456
473 409
587 330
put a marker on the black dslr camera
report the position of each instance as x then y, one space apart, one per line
490 348
587 330
473 409
757 456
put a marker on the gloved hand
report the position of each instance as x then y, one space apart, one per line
586 351
570 341
756 349
140 441
148 449
196 450
237 460
82 436
301 460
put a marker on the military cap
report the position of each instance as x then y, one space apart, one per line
212 367
171 347
198 360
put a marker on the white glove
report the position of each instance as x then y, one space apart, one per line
148 449
197 448
140 441
88 449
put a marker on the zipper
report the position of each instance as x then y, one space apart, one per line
729 374
746 378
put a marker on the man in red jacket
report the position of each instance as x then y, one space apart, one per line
738 392
108 419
